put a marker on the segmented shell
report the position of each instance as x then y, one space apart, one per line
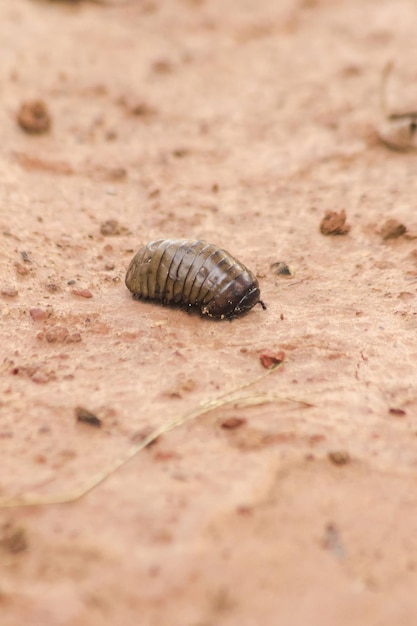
194 274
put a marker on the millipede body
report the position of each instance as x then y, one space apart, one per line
194 274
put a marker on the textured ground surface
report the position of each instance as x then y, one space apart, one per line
242 123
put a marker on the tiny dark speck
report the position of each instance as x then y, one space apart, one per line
333 542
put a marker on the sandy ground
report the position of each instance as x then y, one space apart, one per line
241 123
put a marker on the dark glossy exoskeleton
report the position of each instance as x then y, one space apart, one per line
194 274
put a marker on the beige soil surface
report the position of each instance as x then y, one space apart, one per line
240 122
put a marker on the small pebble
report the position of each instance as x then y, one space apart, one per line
334 223
57 334
392 229
83 293
397 412
22 269
13 538
38 315
339 457
282 269
111 228
142 109
52 287
232 422
9 292
25 256
85 416
271 359
34 118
